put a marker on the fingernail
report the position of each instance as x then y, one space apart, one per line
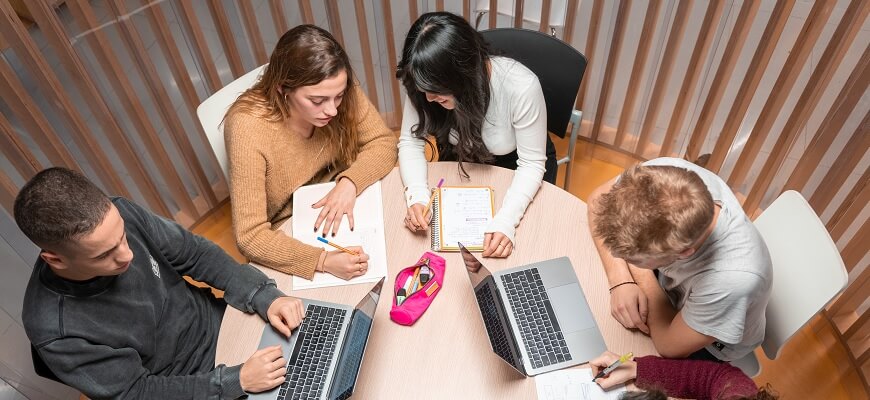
324 234
351 229
315 229
333 234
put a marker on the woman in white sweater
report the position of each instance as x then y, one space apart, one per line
479 108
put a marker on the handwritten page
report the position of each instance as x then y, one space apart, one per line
465 213
573 384
368 215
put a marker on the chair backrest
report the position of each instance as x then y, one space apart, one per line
211 112
807 268
559 68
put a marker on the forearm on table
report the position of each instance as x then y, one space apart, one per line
277 250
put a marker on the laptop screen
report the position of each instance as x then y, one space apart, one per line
355 342
492 310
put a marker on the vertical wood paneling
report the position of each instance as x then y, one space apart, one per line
278 18
736 40
413 11
493 14
858 247
393 60
334 18
33 120
672 47
439 5
693 76
589 50
307 12
852 297
16 35
16 152
799 55
850 208
164 105
228 41
545 16
466 10
7 192
855 87
518 13
255 38
760 60
845 163
363 29
637 70
188 20
118 77
859 328
570 20
610 68
809 99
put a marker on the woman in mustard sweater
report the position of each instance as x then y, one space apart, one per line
305 121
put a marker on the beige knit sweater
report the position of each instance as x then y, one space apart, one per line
268 163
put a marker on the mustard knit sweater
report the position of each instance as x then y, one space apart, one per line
268 163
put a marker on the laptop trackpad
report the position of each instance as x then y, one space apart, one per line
570 307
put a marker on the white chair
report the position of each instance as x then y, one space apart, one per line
807 272
211 113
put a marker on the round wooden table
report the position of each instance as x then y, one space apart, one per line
446 354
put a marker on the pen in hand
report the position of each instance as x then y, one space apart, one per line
348 251
432 197
613 366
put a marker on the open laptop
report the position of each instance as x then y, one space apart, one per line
324 353
536 316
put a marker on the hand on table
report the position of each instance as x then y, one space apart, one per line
628 304
264 370
623 373
337 203
496 244
346 266
415 219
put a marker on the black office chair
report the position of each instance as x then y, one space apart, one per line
559 68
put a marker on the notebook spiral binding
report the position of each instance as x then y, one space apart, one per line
435 226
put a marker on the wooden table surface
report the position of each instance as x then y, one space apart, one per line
446 354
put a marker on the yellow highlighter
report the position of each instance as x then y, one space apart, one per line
613 366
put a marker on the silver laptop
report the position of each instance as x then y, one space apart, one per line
324 353
536 315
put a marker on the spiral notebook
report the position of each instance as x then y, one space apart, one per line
460 214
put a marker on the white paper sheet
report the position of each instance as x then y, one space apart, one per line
368 215
573 384
465 213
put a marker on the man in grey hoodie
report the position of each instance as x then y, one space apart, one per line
107 308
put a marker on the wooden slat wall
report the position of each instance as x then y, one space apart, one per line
686 86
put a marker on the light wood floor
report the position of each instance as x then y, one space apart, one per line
813 365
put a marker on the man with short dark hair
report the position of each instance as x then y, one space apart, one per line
674 217
107 308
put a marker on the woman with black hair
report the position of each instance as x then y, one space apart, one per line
479 108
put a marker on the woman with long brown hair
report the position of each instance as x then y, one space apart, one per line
305 121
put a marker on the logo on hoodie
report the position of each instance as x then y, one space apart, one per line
154 267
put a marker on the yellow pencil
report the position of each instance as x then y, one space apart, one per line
348 251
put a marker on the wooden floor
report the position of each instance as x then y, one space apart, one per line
813 365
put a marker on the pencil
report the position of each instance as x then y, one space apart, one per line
432 197
337 246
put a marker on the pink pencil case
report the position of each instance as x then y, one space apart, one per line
407 309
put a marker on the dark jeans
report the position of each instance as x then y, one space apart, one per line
509 160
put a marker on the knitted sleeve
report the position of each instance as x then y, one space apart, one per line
377 154
693 379
251 225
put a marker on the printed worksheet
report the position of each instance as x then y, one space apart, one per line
573 384
368 215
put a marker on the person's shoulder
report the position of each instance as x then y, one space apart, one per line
513 74
41 309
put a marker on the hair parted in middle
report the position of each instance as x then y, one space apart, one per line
653 211
444 54
305 56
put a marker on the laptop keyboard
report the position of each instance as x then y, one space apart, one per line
315 345
541 334
496 333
